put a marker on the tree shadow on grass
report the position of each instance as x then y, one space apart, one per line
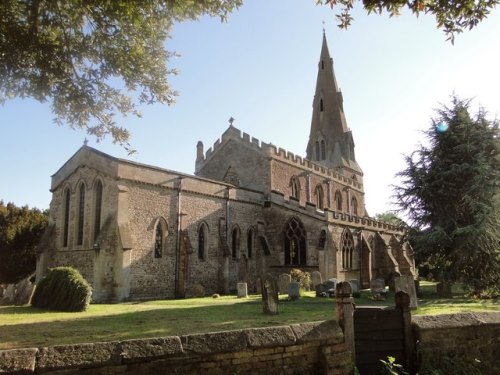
157 322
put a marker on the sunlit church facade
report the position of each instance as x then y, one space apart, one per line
137 231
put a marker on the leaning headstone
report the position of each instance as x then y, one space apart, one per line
407 284
316 278
269 295
354 286
242 290
294 290
284 280
23 292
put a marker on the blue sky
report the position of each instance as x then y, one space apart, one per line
260 68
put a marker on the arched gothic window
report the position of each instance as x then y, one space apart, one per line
322 64
250 236
319 197
321 105
354 206
347 245
235 242
67 196
81 213
338 200
295 185
323 150
97 208
317 150
295 243
202 242
161 233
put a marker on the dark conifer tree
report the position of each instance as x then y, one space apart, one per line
450 192
20 232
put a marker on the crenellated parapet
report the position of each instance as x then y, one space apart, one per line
276 153
334 217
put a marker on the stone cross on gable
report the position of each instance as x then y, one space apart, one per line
231 120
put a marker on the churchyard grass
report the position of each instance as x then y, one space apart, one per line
24 326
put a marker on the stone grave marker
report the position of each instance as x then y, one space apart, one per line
377 287
326 289
242 290
284 280
23 292
354 286
316 279
294 290
269 295
407 284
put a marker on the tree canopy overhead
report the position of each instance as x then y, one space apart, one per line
452 16
93 58
451 192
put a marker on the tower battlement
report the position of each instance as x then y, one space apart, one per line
275 152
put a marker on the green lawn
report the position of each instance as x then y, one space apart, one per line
25 326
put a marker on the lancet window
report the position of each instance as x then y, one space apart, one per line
295 243
81 213
347 246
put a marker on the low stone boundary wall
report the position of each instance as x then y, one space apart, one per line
465 336
307 348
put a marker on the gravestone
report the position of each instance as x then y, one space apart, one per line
294 290
407 284
8 295
316 279
242 290
377 287
354 286
269 295
284 280
23 292
326 289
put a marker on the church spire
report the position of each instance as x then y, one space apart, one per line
330 140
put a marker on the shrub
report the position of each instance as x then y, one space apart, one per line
303 278
64 289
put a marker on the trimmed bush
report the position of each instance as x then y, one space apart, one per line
64 289
303 278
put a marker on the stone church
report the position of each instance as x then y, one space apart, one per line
138 231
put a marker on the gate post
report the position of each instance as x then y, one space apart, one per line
345 315
402 300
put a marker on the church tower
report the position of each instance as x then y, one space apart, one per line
330 141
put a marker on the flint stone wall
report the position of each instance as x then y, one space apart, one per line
307 348
468 336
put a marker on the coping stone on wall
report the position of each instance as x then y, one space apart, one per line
18 361
79 356
325 330
455 320
141 349
218 342
270 336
